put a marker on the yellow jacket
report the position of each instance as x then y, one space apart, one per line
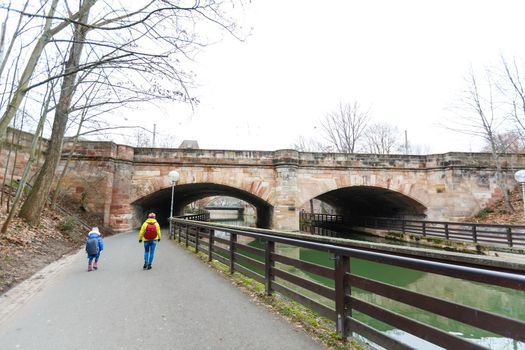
143 229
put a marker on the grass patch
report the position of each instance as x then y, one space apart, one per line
414 238
484 212
67 224
395 235
436 240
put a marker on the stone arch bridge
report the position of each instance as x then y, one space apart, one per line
122 183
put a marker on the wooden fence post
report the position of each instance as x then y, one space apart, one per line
197 230
233 239
474 234
509 236
342 288
268 265
210 244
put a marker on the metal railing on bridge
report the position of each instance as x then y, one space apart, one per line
487 234
339 303
319 224
201 216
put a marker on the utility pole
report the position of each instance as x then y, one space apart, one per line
154 132
406 142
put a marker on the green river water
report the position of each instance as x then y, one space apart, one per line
497 300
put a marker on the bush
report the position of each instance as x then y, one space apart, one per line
484 212
67 225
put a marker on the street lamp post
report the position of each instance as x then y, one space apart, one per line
520 177
174 177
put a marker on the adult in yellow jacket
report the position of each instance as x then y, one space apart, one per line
150 234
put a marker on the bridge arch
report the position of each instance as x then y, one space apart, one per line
359 201
184 194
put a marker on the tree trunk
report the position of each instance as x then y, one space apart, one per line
35 202
500 180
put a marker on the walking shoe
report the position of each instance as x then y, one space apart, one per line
95 267
90 268
145 266
149 266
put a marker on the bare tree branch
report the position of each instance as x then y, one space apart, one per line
344 127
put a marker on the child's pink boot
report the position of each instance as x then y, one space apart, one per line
90 268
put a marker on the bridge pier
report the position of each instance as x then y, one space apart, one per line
285 213
120 215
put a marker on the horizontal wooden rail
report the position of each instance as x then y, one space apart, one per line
290 277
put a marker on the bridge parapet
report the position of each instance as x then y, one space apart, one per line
202 156
100 150
445 160
292 157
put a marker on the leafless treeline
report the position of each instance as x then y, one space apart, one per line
65 63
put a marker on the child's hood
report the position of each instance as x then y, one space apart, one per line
94 232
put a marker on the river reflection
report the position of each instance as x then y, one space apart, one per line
498 300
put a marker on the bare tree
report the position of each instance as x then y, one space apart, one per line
304 144
36 200
22 88
513 87
483 116
142 138
141 46
421 149
166 141
4 55
344 127
507 142
137 51
381 138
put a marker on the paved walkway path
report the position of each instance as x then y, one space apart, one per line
180 304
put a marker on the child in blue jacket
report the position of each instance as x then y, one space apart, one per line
94 246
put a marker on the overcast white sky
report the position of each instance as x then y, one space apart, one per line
404 59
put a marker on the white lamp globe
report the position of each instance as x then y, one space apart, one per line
520 176
173 176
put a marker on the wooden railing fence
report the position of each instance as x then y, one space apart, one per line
268 267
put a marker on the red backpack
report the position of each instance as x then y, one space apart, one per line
151 231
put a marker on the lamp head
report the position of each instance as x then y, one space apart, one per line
520 176
173 176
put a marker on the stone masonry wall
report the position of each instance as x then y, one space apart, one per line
108 178
15 154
